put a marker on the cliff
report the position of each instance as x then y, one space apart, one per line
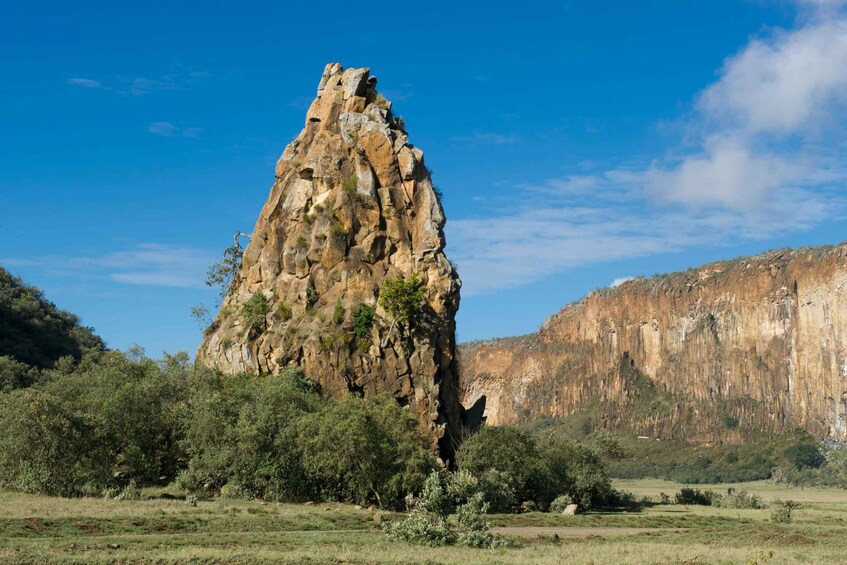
353 205
731 349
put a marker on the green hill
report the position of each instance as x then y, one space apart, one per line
34 333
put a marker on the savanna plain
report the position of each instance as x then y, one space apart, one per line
161 529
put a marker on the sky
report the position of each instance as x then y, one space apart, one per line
576 143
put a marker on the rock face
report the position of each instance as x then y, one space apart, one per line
718 353
353 205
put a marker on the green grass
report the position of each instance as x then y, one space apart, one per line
87 530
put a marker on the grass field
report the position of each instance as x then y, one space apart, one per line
38 529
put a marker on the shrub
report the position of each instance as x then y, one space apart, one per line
571 468
363 320
255 311
472 525
44 447
560 503
740 499
783 510
506 461
350 183
338 315
462 485
427 523
804 455
513 466
422 528
14 374
696 497
402 298
284 311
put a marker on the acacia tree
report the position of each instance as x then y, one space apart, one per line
222 273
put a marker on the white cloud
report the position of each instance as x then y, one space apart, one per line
787 83
727 173
764 154
620 280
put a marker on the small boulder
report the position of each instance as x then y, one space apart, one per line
570 510
378 518
529 506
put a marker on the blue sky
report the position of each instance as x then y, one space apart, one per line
576 143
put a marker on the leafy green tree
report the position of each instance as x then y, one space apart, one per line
363 320
402 298
365 450
14 374
242 433
132 407
44 447
510 454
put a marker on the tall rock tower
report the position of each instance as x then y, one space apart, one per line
352 206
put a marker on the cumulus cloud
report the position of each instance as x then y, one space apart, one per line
763 123
764 154
620 280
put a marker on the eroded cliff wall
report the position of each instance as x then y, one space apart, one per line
352 205
753 345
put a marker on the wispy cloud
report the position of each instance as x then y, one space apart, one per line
763 154
167 129
486 138
85 82
125 85
145 264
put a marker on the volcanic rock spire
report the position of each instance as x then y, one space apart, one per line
353 205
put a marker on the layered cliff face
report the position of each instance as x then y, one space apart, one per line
731 349
353 205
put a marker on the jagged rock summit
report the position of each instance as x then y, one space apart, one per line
352 206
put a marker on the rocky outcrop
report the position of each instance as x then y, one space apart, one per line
352 205
732 349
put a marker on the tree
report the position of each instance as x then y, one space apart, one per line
402 298
222 273
365 450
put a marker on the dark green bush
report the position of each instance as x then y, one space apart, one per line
537 468
696 497
804 455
